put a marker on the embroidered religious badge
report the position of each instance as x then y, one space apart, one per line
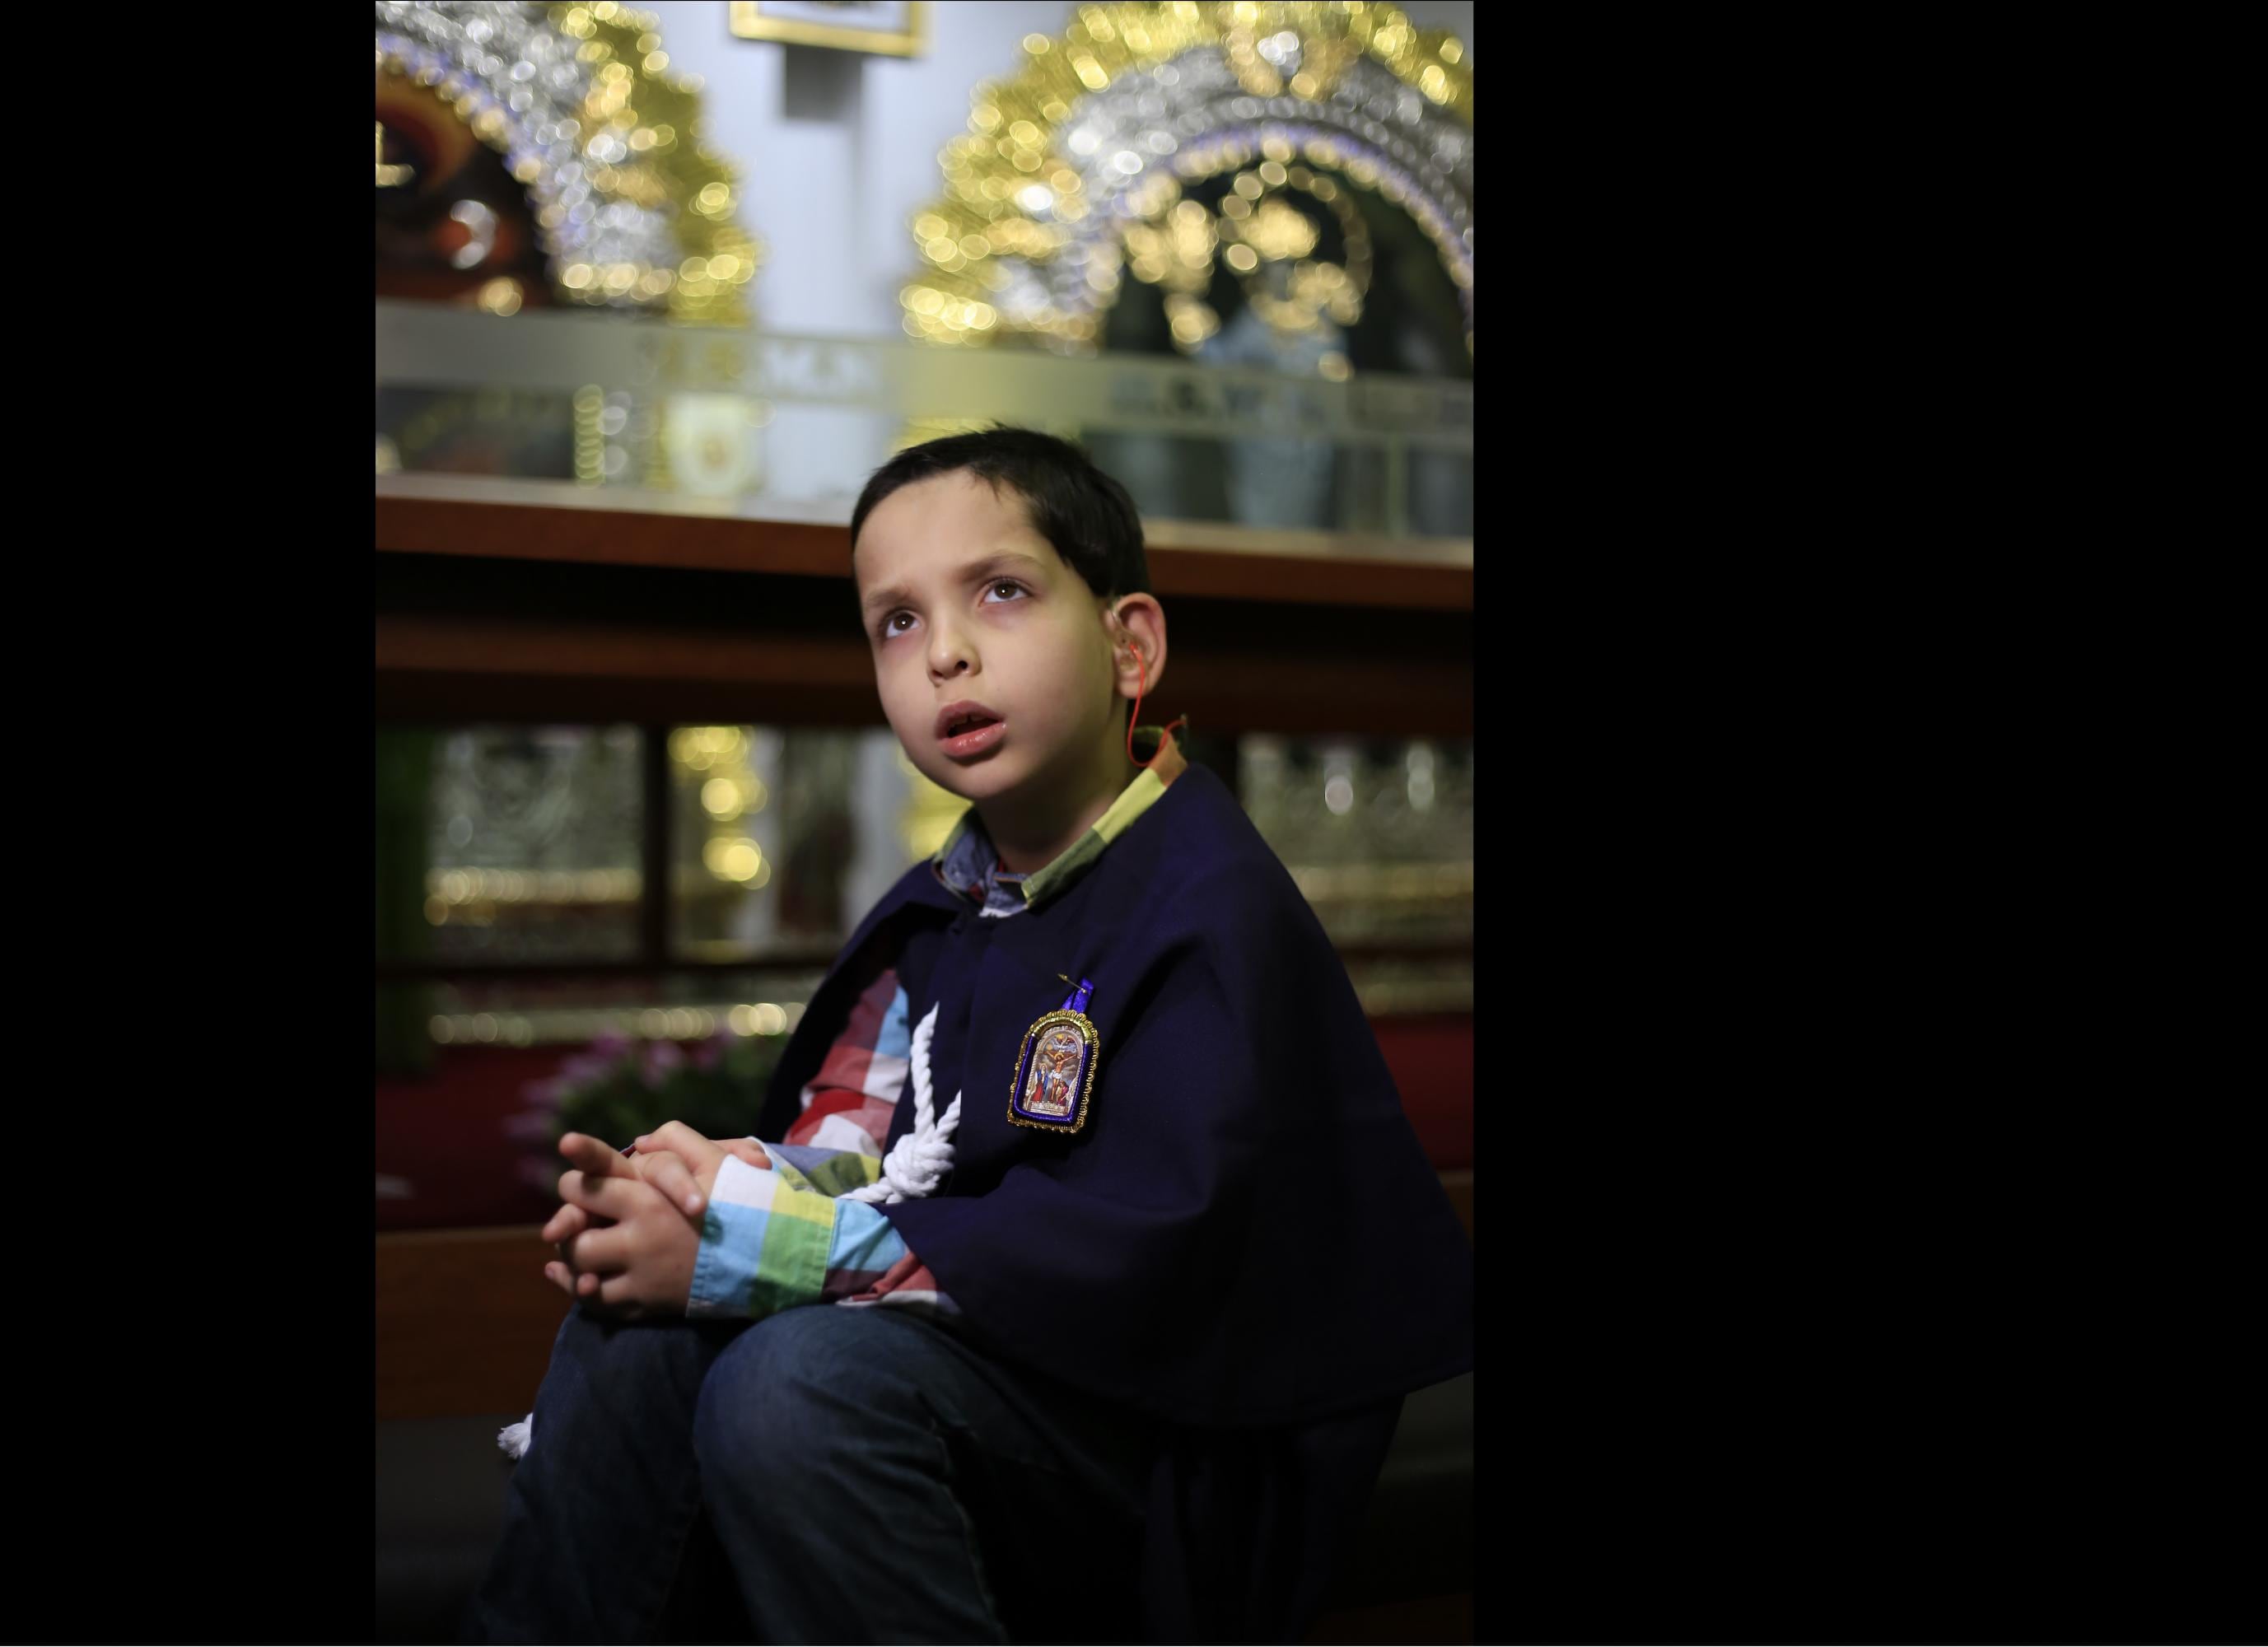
1055 1070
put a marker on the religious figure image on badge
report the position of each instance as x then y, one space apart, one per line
1047 1090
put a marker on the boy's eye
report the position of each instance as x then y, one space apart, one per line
1004 589
897 623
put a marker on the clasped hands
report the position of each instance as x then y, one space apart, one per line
629 1233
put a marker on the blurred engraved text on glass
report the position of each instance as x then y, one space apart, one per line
533 844
575 407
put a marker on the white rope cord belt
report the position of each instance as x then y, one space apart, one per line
919 1161
914 1167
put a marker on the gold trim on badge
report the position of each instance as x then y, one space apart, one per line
1054 1078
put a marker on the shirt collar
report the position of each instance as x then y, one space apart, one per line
969 864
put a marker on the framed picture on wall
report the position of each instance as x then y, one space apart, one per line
895 28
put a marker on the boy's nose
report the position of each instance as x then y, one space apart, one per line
948 657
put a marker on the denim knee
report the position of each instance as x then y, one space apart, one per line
611 1352
609 1377
794 1388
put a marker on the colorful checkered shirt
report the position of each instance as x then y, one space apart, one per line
773 1239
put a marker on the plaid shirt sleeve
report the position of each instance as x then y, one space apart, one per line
773 1239
850 1101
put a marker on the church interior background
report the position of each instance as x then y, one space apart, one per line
657 289
653 281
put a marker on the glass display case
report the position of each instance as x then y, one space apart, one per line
521 899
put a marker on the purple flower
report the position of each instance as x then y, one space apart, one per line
609 1047
585 1068
662 1057
545 1094
531 1126
710 1052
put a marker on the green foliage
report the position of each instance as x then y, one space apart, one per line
619 1089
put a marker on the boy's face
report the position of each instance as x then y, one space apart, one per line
990 653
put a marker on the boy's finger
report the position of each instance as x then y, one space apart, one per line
614 1198
601 1252
668 1174
566 1225
559 1275
620 1293
594 1156
679 1139
749 1150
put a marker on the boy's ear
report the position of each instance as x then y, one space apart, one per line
1139 622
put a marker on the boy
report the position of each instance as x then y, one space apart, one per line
1112 1340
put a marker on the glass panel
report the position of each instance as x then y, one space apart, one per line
470 1012
782 837
486 431
725 841
1391 986
531 845
1379 835
774 420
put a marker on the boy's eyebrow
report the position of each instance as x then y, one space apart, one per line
1000 559
976 571
876 601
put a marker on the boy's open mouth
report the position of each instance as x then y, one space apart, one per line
967 728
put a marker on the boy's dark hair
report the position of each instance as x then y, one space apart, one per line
1085 514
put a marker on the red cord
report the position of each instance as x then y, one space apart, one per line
1141 686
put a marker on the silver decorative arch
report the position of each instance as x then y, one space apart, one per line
577 98
1052 173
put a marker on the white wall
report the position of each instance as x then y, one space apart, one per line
837 151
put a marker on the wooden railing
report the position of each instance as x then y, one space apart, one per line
524 599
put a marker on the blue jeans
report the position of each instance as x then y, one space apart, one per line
827 1474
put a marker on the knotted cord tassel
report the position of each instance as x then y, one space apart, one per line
918 1164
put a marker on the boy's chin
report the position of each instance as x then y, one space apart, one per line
976 780
969 781
1002 780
